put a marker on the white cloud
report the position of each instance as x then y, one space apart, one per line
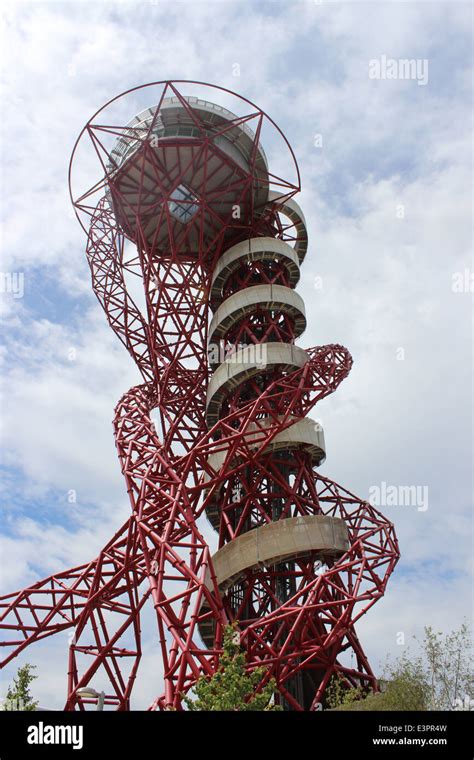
386 280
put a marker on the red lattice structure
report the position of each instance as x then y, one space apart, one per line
195 250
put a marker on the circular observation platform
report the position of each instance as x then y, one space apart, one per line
175 175
189 167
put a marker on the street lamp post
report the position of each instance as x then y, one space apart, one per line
88 691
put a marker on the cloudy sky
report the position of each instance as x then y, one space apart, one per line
386 175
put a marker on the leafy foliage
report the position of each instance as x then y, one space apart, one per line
18 694
439 678
233 687
405 687
339 694
449 667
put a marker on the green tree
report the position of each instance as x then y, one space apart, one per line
18 694
437 678
232 687
403 687
340 694
449 667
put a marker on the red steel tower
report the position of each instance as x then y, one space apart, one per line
195 249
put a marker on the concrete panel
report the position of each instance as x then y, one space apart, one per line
255 249
266 297
279 541
245 363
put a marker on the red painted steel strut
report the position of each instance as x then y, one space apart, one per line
186 205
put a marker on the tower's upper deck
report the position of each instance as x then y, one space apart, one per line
185 171
174 121
185 178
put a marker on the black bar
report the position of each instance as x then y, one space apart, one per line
146 734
